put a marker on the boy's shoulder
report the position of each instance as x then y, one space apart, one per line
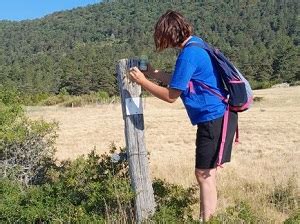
193 54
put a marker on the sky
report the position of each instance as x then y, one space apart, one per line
17 10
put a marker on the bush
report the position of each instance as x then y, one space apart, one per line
296 83
83 190
92 189
26 150
261 85
26 147
295 218
166 214
55 99
92 98
8 115
39 204
74 101
33 98
240 213
13 97
173 201
10 96
78 101
102 96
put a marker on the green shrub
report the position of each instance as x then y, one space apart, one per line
27 150
26 147
74 101
33 98
97 184
83 190
8 115
294 218
261 85
102 95
78 101
9 96
55 99
92 189
240 213
39 204
296 83
173 199
166 214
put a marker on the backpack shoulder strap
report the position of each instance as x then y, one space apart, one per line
203 45
209 89
223 62
210 50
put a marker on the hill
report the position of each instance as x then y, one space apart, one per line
76 50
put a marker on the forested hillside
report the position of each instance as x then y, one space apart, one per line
76 51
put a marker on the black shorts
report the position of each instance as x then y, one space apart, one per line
209 137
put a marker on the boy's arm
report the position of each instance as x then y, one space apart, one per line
162 76
163 93
159 75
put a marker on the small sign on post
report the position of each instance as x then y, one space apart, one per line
134 105
134 133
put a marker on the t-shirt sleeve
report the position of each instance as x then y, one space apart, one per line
182 74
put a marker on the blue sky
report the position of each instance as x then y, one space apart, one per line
31 9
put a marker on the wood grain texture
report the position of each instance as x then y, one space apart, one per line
135 144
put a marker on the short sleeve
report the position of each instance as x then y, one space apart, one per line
182 74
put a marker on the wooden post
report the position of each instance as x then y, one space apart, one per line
132 109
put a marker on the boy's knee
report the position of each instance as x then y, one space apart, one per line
202 174
205 175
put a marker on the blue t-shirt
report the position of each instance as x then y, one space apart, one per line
194 63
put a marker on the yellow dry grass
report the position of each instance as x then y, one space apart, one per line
268 155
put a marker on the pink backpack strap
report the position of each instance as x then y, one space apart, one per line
191 87
225 118
237 134
224 133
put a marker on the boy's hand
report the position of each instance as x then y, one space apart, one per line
136 75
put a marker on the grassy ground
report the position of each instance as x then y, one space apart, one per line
266 161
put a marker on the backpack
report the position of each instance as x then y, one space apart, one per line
240 95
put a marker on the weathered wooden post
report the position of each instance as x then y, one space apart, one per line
134 133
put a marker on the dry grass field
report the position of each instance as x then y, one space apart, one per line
267 157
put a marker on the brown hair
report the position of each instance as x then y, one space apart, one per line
171 30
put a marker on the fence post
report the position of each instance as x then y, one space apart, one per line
132 109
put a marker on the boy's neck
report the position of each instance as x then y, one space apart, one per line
184 42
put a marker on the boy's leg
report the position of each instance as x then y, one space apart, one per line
208 192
